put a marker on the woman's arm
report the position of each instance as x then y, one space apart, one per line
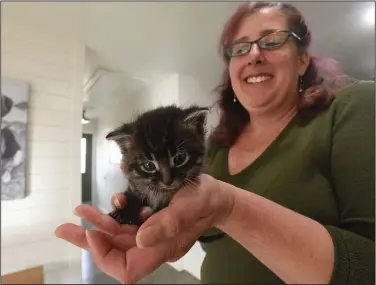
297 249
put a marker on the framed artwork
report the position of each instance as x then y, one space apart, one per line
14 125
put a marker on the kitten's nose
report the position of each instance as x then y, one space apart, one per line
166 177
167 181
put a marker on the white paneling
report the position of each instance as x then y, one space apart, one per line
52 67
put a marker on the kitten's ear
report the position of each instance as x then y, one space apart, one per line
195 117
121 135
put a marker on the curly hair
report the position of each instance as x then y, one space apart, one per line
320 82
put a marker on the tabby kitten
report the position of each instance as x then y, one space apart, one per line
163 151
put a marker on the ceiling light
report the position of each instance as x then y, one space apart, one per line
370 15
84 122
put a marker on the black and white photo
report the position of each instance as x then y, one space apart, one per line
14 119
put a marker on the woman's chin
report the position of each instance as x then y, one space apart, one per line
258 102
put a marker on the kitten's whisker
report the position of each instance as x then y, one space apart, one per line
191 185
188 185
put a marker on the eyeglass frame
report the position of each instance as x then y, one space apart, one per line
289 34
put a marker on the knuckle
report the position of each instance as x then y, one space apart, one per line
173 225
171 252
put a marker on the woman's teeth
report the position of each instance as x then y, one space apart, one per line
257 79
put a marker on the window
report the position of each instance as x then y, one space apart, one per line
83 155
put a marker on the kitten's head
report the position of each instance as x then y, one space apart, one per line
163 148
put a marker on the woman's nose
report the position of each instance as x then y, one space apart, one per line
255 54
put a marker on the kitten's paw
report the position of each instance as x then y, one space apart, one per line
124 216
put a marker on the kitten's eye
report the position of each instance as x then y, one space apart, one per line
148 166
180 159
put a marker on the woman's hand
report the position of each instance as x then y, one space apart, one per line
128 255
192 211
113 246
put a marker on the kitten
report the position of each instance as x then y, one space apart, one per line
163 151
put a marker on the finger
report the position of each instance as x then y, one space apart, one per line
143 261
124 241
118 201
73 234
171 222
100 243
146 212
109 259
127 265
102 222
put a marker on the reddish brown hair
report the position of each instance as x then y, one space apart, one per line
320 82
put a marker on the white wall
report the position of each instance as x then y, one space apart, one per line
89 128
198 89
53 66
165 92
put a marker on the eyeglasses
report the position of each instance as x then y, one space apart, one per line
269 41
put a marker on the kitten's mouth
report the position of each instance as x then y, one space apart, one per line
171 188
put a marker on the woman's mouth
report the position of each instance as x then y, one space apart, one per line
257 79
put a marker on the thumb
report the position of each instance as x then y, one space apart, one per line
158 227
163 225
167 224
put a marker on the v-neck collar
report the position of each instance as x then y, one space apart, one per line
263 157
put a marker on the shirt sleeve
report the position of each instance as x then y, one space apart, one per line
353 178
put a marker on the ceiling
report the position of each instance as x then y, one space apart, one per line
148 40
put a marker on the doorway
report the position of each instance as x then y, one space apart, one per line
86 167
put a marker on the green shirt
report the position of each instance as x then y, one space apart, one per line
323 169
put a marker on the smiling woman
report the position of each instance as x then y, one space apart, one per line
287 132
281 44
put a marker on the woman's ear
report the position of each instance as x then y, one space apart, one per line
304 59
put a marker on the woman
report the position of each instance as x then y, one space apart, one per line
291 179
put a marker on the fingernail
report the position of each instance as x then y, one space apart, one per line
117 203
148 237
56 234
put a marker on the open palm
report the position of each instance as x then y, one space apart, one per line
113 246
164 236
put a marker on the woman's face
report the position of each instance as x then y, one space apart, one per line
266 79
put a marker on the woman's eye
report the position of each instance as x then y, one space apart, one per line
180 159
273 40
239 49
